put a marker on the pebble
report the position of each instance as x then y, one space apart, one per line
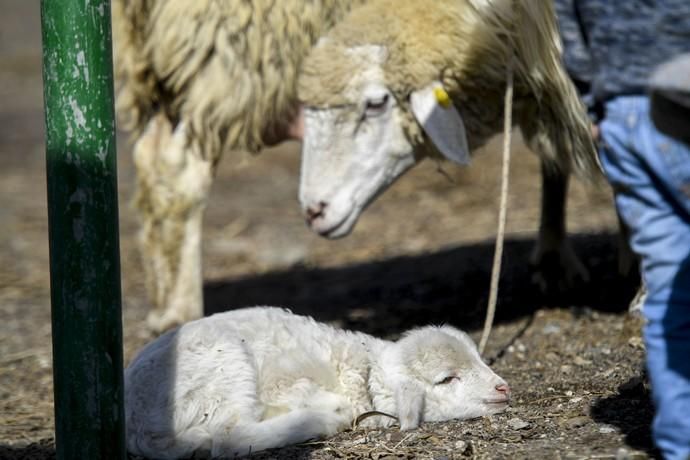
581 361
551 328
551 356
576 422
517 424
636 342
395 436
605 429
625 454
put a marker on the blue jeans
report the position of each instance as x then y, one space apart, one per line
650 175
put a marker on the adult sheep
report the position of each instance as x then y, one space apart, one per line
431 83
198 78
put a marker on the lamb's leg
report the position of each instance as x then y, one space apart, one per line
290 428
555 264
173 184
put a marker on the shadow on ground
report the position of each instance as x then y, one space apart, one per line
631 411
42 450
451 285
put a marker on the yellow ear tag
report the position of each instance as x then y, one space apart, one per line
442 97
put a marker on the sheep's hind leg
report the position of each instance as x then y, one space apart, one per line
173 184
555 265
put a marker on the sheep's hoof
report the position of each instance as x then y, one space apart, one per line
557 270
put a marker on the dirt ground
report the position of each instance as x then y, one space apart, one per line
421 254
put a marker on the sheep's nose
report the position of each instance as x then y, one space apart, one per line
503 388
315 211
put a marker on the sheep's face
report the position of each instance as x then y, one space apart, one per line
361 135
440 376
353 150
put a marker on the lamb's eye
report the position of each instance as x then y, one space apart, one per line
447 380
376 106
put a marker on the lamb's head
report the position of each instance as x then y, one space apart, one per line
436 374
362 132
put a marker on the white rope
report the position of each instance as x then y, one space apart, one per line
500 236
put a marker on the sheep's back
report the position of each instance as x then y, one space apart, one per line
226 67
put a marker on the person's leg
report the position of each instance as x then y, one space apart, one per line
651 184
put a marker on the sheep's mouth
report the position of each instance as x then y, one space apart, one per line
497 401
342 227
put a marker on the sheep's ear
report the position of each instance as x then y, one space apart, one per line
409 397
441 121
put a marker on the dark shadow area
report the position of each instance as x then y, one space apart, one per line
631 411
451 285
42 450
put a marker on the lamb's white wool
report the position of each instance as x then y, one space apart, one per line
257 378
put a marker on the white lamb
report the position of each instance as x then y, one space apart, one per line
258 378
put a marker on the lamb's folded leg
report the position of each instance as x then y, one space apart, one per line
173 184
291 428
555 264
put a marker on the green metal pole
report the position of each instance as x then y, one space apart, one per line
83 229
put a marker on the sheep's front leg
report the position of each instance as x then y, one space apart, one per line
173 184
555 264
353 376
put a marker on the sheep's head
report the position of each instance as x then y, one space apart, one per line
437 375
361 134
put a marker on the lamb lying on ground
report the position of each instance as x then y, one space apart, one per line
258 378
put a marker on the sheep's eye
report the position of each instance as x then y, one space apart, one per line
376 106
447 380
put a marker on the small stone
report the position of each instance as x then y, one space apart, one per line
625 454
517 424
566 369
636 342
576 422
521 347
395 436
579 361
551 328
606 429
460 446
576 399
568 393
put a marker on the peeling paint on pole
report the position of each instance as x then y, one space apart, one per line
83 218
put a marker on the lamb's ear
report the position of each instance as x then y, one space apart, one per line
441 121
409 397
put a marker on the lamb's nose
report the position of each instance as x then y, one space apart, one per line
315 211
503 388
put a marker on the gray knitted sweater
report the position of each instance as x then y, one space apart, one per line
613 46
